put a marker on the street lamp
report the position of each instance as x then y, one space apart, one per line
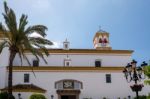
52 96
19 96
134 73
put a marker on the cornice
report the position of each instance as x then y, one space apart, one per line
88 51
65 69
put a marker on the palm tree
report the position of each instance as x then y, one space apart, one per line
19 40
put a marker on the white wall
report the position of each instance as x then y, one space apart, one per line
4 60
3 76
24 95
80 59
94 84
4 57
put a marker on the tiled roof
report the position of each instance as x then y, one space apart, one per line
25 88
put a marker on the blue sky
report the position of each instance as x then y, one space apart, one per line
127 21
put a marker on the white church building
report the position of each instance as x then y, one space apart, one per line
72 73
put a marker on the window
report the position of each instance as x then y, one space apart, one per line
97 63
67 62
26 78
66 46
108 78
35 63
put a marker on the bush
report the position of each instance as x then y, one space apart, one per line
141 97
148 97
4 95
37 96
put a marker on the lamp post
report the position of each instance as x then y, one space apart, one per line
19 95
52 96
134 73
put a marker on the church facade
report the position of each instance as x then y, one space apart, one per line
72 73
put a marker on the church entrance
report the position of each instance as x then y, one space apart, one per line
68 97
68 94
68 89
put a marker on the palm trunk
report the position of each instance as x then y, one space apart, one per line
10 76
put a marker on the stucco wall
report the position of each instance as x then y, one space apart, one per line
94 83
80 59
3 76
4 59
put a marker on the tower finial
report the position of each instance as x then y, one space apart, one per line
100 29
66 44
66 40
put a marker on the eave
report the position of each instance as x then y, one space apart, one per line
25 88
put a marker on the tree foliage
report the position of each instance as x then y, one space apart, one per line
147 73
4 95
17 38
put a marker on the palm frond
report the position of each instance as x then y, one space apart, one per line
36 52
41 48
23 22
40 40
39 29
6 7
20 53
29 64
11 23
3 45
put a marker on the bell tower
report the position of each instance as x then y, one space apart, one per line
66 45
101 40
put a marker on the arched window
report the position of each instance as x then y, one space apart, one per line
105 40
100 40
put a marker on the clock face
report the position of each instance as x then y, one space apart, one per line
68 84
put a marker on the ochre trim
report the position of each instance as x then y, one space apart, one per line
28 90
66 69
2 35
88 51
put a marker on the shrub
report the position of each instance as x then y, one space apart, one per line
37 96
148 97
141 97
4 95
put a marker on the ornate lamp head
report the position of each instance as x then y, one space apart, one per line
144 64
133 63
129 67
